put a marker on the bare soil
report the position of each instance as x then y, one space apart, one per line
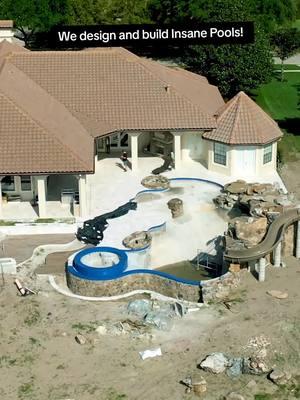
291 177
40 359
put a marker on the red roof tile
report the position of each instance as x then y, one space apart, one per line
116 89
37 133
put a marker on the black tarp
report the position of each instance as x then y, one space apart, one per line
92 230
168 163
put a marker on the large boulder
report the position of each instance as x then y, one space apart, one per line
261 188
215 363
137 240
176 207
280 377
156 182
250 230
255 366
236 187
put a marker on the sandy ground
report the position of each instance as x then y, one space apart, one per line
291 177
21 247
40 359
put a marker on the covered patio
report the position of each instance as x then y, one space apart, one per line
46 196
181 145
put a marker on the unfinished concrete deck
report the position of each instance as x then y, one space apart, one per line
110 186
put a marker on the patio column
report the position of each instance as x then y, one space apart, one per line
82 195
41 182
134 151
177 149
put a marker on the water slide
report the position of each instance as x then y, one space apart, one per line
272 238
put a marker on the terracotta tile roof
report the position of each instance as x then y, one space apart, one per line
6 23
193 87
37 133
242 121
115 89
7 48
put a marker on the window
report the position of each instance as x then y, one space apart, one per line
25 183
268 153
220 153
8 183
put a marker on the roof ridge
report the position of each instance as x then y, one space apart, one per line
166 85
242 121
135 85
19 109
238 108
44 130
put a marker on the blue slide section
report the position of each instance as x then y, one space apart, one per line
119 270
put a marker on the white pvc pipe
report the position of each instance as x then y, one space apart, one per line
262 270
277 255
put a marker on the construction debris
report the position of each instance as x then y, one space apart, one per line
155 313
196 384
80 339
150 353
218 363
23 290
278 294
135 329
280 377
215 363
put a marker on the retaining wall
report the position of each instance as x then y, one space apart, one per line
128 283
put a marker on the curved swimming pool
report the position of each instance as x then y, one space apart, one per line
131 269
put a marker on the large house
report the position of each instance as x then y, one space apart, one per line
58 108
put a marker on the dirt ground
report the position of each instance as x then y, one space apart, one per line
40 359
21 247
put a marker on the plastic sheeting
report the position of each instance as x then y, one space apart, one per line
92 230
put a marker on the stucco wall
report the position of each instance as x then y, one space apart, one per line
212 166
193 147
6 34
143 141
233 164
271 166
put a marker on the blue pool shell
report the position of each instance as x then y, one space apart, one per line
101 273
83 271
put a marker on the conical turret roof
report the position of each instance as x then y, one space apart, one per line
242 121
